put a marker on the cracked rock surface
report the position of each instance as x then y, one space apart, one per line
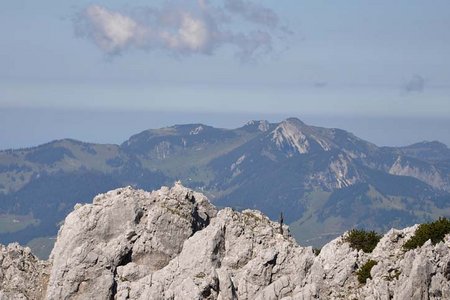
22 275
100 242
173 244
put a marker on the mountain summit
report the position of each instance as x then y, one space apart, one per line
293 136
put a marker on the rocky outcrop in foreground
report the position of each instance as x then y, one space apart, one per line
173 244
22 275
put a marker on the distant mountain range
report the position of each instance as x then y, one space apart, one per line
324 181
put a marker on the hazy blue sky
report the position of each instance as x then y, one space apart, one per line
354 64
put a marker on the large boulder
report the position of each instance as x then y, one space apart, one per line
121 227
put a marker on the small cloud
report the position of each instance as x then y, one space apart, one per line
416 84
182 28
320 84
111 31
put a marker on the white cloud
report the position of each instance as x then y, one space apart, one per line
182 29
110 31
192 35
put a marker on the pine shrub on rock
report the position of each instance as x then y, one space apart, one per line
362 240
364 272
434 231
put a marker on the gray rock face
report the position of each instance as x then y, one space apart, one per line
121 227
398 274
22 275
173 244
238 256
426 173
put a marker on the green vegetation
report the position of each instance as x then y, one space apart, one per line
434 231
364 272
362 240
309 230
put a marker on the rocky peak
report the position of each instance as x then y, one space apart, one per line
124 226
293 136
288 135
196 130
261 125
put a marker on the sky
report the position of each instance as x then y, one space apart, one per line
101 71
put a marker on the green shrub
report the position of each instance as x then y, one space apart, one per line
316 251
362 240
434 231
364 272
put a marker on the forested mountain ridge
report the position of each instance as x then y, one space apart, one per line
324 181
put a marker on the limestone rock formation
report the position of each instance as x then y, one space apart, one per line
121 227
173 244
238 256
22 275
